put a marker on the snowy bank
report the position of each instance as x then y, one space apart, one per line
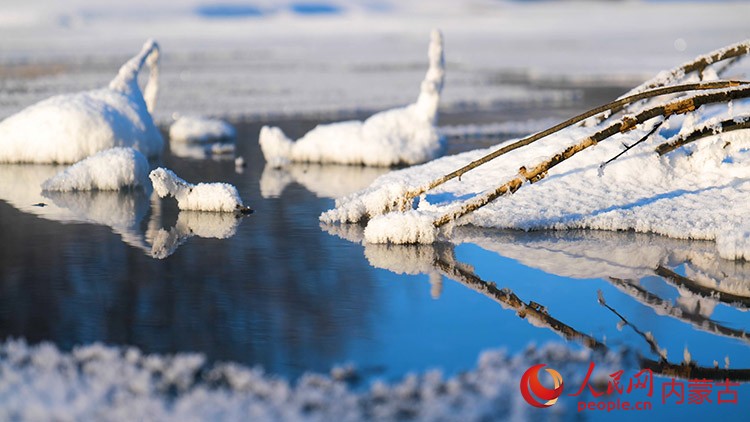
112 169
201 130
405 135
695 192
41 382
221 197
67 128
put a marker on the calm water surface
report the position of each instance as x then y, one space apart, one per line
279 290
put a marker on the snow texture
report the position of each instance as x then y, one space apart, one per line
97 382
405 135
221 197
201 130
70 127
408 227
699 191
111 169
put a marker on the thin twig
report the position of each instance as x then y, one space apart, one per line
633 145
722 127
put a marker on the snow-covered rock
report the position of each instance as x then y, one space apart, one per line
405 135
111 169
201 130
67 128
221 197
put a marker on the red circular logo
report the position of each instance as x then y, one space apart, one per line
530 384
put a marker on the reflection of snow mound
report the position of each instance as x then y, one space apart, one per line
112 169
325 181
201 130
221 197
400 136
217 151
67 128
43 383
121 211
192 223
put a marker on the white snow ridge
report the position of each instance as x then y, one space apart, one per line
406 135
112 169
67 128
221 197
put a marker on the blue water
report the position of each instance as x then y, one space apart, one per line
284 293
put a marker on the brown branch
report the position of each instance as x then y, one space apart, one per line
725 126
681 281
404 203
625 124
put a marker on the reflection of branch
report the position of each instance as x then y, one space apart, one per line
685 370
646 336
661 305
693 371
682 281
507 299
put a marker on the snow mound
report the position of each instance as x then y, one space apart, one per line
221 197
112 169
405 135
41 382
401 228
70 127
201 130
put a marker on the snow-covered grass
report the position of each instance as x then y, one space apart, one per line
111 169
40 382
220 197
201 130
70 127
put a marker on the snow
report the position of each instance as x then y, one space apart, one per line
220 197
111 169
683 194
408 227
70 127
201 130
41 382
405 135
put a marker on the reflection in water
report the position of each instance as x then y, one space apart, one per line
325 181
591 254
120 211
217 225
219 151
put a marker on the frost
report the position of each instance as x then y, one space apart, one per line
97 382
401 228
111 169
221 197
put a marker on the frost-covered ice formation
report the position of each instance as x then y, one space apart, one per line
191 223
698 191
400 136
221 197
41 382
111 169
201 130
70 127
